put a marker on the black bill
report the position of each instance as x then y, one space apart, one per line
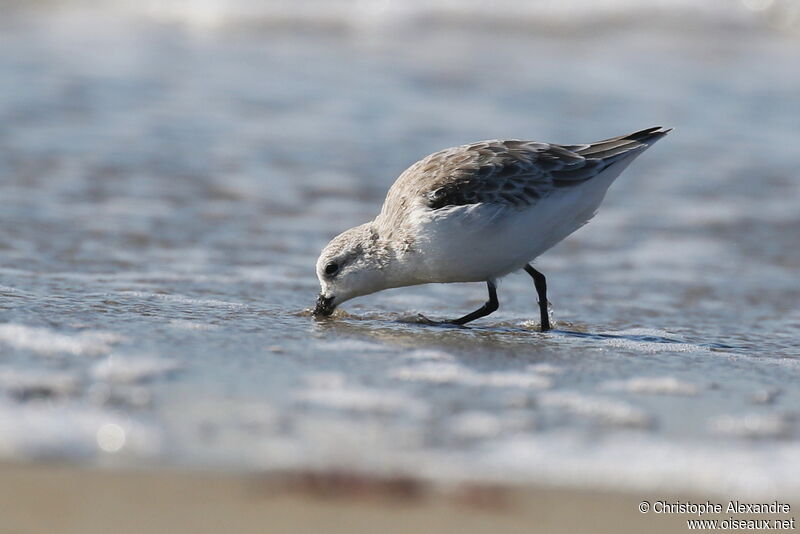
325 306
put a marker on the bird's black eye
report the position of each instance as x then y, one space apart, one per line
331 269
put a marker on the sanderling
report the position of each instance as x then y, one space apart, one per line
476 213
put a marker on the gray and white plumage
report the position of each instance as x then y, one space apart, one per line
475 213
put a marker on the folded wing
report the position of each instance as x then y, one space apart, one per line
513 172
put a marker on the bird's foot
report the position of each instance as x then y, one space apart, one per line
417 318
427 321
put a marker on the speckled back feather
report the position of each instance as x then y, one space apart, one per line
512 172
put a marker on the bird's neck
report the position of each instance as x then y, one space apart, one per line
398 257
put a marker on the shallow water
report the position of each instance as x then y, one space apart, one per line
167 185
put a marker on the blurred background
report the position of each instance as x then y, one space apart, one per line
169 171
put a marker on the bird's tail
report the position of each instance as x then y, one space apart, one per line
610 150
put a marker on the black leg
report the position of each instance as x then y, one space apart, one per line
491 306
541 289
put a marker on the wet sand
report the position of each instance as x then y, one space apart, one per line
54 498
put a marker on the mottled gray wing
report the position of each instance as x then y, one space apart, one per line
515 172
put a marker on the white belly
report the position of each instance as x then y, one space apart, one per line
484 241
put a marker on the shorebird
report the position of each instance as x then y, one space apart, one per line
476 213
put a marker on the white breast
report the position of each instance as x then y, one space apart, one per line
487 241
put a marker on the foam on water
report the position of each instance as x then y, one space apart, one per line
649 341
362 400
432 355
50 343
602 409
355 346
478 425
181 299
132 369
647 464
44 431
449 373
191 325
666 385
755 426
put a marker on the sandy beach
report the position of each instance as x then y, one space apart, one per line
54 498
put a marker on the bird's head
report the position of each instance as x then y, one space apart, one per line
351 265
